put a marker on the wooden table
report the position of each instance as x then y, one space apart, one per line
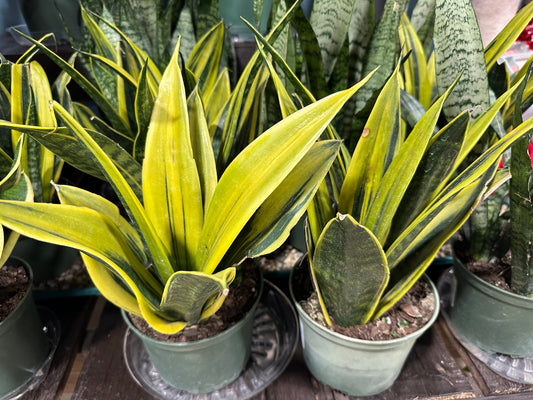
89 365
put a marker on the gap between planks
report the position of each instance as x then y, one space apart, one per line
462 358
68 389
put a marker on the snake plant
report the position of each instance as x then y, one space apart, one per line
154 25
503 222
172 261
122 82
404 195
408 187
25 93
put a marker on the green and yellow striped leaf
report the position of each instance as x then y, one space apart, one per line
246 183
125 192
270 226
171 183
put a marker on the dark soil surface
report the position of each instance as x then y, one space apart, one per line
410 314
496 272
75 277
242 295
14 282
282 259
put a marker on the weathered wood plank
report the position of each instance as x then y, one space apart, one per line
72 314
296 383
104 374
488 382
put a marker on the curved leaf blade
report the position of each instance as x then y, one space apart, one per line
351 278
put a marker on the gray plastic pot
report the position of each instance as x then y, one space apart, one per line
205 365
23 343
491 318
353 366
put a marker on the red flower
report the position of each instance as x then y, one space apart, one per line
527 35
529 153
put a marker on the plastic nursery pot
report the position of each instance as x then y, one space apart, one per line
23 342
204 365
353 366
491 318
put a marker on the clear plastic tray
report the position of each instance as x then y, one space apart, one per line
52 330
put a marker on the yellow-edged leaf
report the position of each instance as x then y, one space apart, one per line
378 142
123 189
202 148
256 172
171 184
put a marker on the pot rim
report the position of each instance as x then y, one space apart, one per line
13 314
370 343
189 344
491 290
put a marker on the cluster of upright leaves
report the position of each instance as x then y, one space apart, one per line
124 85
154 25
25 95
342 42
408 187
174 263
484 79
404 195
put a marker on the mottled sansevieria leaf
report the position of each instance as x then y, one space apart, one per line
350 278
457 52
382 51
361 29
330 22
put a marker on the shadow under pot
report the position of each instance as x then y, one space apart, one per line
22 339
204 365
355 367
